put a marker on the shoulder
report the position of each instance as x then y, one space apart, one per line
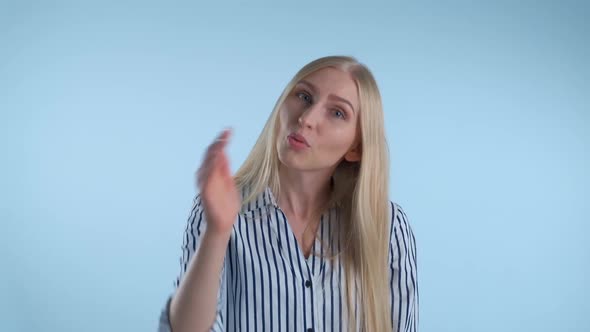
196 204
196 219
197 199
398 215
400 230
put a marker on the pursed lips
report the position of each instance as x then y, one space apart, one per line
298 137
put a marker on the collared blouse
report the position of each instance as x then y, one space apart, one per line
267 284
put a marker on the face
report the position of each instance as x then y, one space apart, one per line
323 109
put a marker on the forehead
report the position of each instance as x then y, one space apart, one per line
332 81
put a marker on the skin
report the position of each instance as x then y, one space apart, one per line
193 306
324 108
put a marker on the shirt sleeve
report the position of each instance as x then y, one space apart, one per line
196 225
403 273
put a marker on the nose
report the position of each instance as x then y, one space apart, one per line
309 117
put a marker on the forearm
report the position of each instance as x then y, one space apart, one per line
193 307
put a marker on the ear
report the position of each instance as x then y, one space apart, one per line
354 154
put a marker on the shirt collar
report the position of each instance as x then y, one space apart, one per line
263 199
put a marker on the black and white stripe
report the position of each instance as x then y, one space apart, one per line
267 284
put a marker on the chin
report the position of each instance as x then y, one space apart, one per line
290 160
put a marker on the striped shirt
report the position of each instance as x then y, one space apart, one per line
267 284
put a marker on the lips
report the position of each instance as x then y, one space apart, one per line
298 137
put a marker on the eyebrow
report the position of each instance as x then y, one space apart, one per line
313 88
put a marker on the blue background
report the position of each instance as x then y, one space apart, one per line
106 109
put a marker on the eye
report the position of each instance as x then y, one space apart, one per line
339 113
305 97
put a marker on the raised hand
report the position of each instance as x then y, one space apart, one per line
218 191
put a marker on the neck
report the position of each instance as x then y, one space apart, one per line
303 194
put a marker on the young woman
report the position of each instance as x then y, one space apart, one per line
304 236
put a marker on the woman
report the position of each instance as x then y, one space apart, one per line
304 237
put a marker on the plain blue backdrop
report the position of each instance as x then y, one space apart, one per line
106 109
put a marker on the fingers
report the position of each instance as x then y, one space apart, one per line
218 145
216 167
221 140
224 165
215 158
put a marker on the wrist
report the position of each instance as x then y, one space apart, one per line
217 235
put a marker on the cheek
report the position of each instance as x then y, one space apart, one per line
289 110
339 141
286 109
283 118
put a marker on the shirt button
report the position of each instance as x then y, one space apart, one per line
307 284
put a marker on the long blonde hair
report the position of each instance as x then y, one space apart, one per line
360 189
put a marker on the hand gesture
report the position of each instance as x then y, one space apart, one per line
218 191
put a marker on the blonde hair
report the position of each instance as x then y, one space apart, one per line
360 189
